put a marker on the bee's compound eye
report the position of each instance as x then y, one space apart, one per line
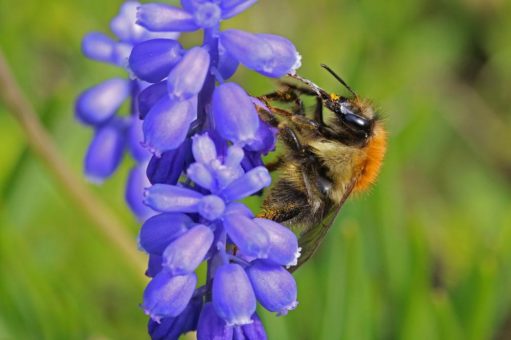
356 121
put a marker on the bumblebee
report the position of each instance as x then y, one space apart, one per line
325 161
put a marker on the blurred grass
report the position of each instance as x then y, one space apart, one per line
425 255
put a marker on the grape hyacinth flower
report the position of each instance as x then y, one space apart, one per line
207 142
97 107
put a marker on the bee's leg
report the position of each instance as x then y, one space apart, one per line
299 108
318 112
275 165
290 138
299 89
268 117
286 96
283 96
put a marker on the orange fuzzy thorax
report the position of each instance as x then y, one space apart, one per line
375 150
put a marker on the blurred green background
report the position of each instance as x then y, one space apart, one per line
425 255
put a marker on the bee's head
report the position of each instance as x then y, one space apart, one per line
356 116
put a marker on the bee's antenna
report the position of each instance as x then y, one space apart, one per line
339 79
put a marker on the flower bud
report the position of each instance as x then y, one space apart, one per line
152 60
233 297
185 254
160 230
167 295
274 287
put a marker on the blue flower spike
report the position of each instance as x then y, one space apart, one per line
198 141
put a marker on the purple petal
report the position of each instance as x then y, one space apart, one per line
153 265
203 148
200 175
266 139
161 18
234 114
284 244
190 5
152 60
121 54
150 96
211 207
135 138
251 238
98 46
274 287
167 123
185 254
160 230
124 26
225 175
249 49
231 8
171 198
207 14
167 295
233 297
252 160
99 103
270 55
253 331
227 63
211 326
285 57
250 183
234 156
239 208
136 184
172 328
187 77
168 168
105 152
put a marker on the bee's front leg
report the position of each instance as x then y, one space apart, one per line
318 112
286 96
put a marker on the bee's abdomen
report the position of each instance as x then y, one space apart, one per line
288 205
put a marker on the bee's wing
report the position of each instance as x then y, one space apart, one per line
312 238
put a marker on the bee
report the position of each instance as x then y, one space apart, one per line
325 161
